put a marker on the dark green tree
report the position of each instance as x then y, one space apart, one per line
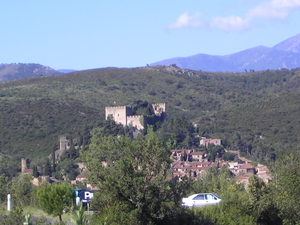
47 168
3 187
53 158
35 172
133 180
261 201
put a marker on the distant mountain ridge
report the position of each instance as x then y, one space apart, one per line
285 54
22 70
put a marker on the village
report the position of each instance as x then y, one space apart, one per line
186 162
196 164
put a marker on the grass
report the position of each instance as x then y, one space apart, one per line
36 212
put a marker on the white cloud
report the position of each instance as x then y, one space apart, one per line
231 23
268 10
186 20
275 9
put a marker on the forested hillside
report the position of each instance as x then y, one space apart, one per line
36 111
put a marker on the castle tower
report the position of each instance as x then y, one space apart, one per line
63 143
159 108
23 165
118 113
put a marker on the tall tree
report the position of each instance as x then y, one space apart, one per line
53 158
54 198
133 180
47 168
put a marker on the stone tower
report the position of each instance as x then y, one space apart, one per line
23 165
159 108
118 113
63 143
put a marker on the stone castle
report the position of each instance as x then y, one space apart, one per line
123 115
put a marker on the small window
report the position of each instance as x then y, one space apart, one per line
209 197
199 197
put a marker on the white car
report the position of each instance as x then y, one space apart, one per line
202 199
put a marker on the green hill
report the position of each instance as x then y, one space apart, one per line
36 111
264 127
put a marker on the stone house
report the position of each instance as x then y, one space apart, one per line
206 141
198 156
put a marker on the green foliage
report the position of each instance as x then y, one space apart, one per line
15 217
78 217
179 130
54 199
262 205
134 183
227 156
21 190
47 168
287 181
8 166
3 187
214 152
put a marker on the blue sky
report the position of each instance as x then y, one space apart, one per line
90 34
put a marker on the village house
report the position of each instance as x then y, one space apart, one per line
207 141
263 173
198 156
242 169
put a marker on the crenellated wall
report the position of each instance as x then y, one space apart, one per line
159 108
135 121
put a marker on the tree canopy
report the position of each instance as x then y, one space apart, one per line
134 178
54 198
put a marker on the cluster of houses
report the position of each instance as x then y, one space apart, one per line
186 162
194 164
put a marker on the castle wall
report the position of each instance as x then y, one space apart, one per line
135 121
118 114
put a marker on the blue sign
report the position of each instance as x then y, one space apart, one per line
84 195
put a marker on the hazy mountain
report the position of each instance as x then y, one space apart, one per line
291 45
285 54
22 70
